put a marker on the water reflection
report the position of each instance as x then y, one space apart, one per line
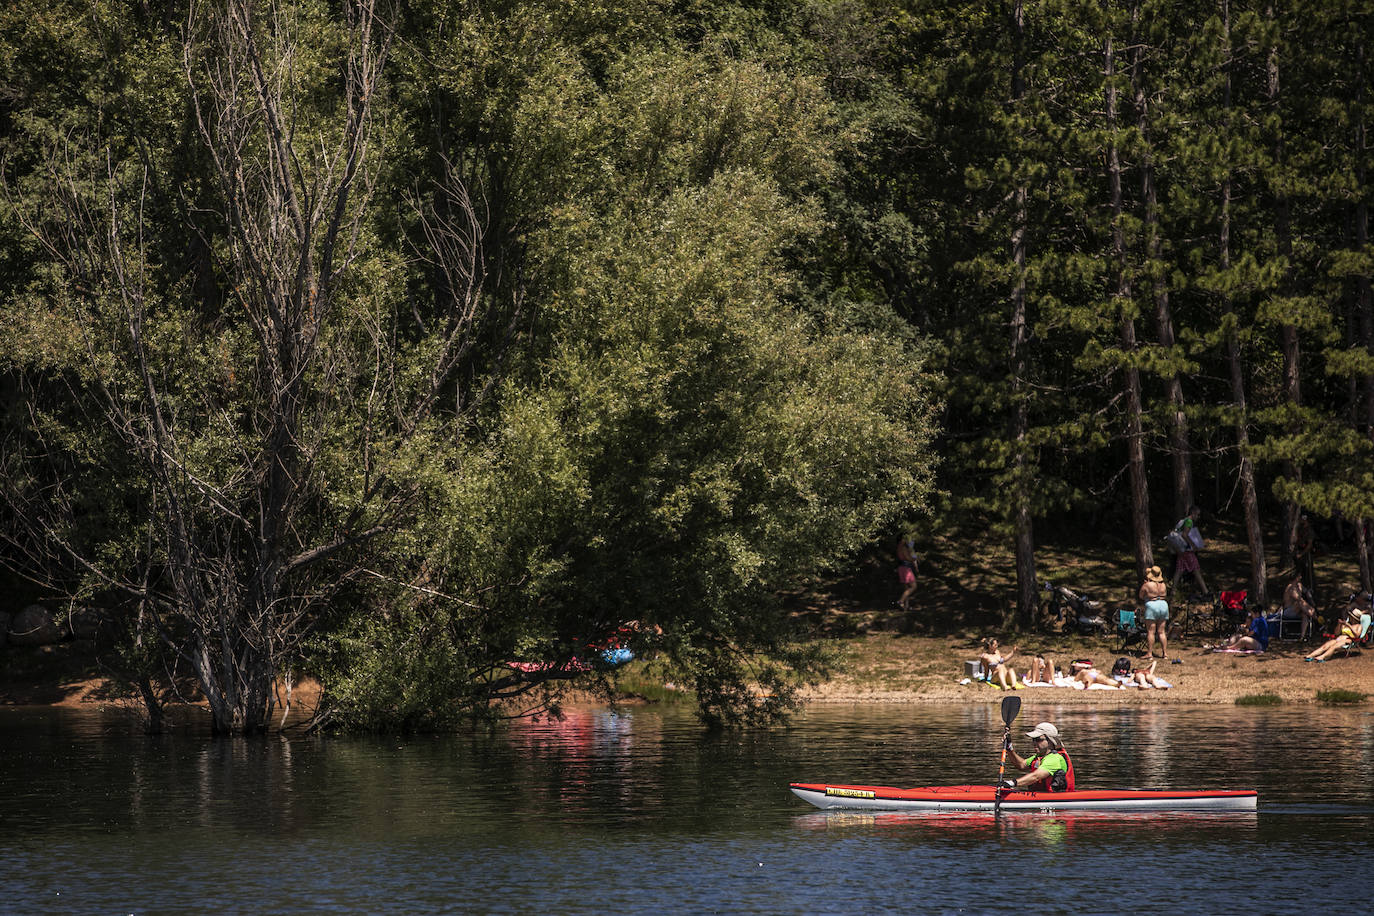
642 812
588 760
1025 825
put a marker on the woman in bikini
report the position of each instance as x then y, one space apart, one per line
1082 670
1152 592
995 665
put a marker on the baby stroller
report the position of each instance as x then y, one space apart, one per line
1069 610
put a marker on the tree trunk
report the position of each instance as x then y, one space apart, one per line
1364 299
1254 534
1290 344
1135 446
1027 590
1180 450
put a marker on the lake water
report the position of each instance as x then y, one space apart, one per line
642 812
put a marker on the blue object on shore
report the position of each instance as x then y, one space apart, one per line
614 657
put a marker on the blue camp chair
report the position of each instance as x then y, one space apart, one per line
1129 628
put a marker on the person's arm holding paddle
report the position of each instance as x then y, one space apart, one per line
1036 773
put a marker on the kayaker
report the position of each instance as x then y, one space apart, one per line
1050 768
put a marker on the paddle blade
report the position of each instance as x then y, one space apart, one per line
1011 707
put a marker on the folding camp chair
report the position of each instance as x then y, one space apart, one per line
1129 628
1230 610
1363 640
1281 626
1218 616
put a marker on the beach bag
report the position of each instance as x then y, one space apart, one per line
1176 542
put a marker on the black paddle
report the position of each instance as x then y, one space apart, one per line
1011 706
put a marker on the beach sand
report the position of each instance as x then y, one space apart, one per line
882 668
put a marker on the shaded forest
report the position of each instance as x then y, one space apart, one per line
392 341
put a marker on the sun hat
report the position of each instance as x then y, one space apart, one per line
1154 574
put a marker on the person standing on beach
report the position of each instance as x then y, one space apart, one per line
906 570
1152 596
1303 543
1187 560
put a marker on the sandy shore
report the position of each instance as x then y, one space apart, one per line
886 669
883 668
75 693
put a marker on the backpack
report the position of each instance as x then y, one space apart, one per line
1122 666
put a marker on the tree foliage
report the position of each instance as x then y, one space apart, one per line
429 355
397 343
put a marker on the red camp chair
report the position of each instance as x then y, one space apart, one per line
1230 610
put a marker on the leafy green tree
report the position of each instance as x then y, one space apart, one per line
680 444
266 408
417 341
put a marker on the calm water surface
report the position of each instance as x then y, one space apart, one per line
641 812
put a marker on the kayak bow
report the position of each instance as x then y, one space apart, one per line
984 798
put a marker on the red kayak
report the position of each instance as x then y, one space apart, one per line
981 798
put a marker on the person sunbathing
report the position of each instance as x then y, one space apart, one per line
995 667
1127 676
1351 629
1040 670
1083 671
